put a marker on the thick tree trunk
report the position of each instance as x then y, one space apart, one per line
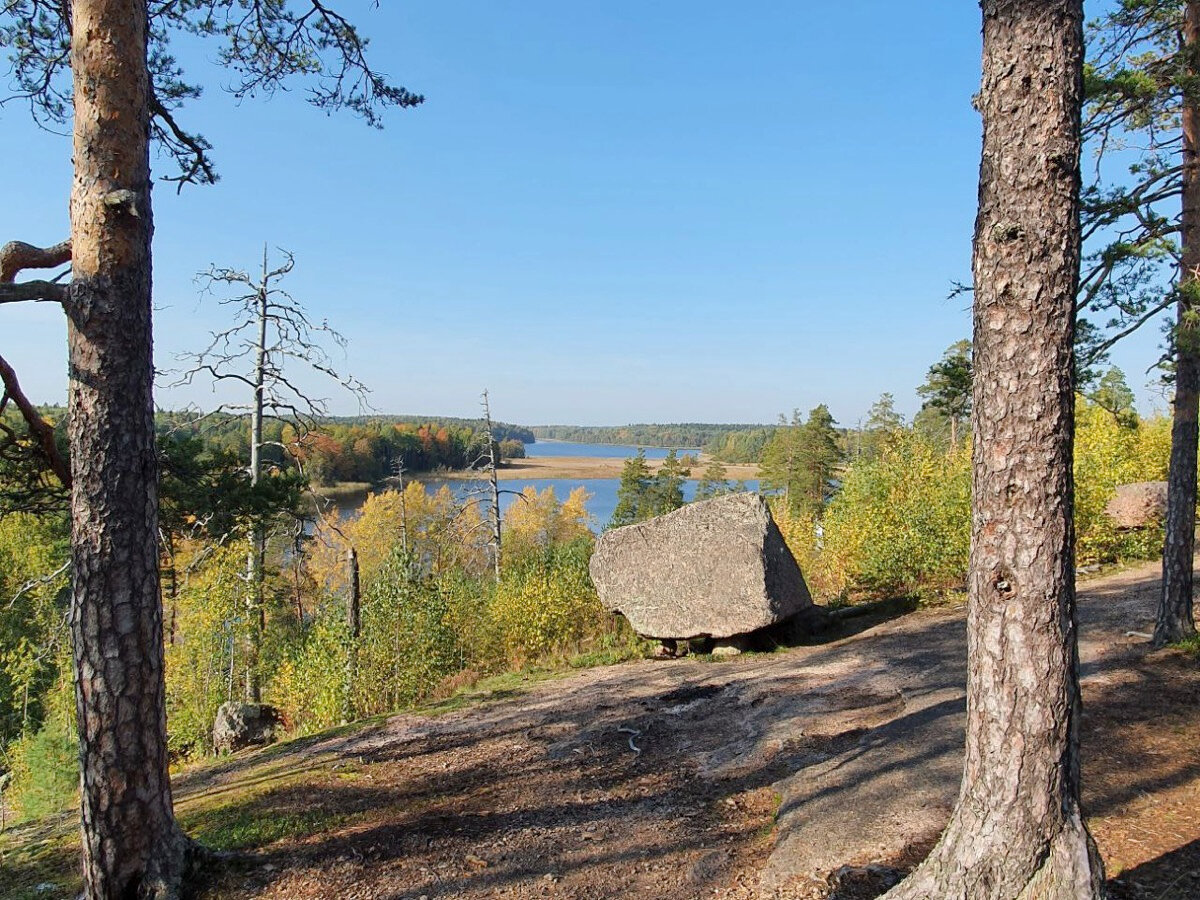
1175 619
1017 830
131 844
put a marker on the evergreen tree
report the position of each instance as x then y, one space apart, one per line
802 459
633 492
106 66
1113 394
820 456
713 482
882 422
780 458
947 387
666 493
1141 83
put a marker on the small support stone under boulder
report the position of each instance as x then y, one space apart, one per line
241 725
714 569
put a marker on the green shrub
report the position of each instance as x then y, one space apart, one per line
901 522
408 642
545 604
206 624
45 771
407 645
309 686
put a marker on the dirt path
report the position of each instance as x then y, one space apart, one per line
752 778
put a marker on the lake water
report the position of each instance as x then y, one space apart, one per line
601 503
608 451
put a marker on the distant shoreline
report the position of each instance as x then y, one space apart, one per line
643 446
584 468
577 468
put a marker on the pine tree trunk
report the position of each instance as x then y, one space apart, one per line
1175 620
1016 830
132 846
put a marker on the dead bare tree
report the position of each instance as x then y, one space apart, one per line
271 334
493 481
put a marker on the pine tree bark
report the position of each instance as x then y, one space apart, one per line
1175 615
1016 830
132 846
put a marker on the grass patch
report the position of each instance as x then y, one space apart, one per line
257 822
610 656
1190 645
768 828
270 803
494 687
45 778
41 860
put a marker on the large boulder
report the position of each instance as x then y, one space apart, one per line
717 568
240 725
1138 505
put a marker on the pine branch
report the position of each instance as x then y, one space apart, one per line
16 256
41 430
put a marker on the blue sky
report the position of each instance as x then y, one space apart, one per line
603 213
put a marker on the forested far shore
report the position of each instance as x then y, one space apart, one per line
501 430
328 451
674 435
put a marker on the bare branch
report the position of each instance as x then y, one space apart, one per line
288 333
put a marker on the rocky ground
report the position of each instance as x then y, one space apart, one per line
810 773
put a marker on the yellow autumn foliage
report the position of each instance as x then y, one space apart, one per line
205 625
537 519
900 522
1108 454
439 530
